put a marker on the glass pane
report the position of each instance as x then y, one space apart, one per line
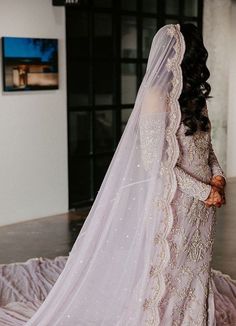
78 40
78 24
101 165
192 22
102 35
125 113
104 130
128 83
149 30
79 133
150 5
172 7
80 179
103 83
103 3
129 37
144 67
171 21
128 4
190 8
78 83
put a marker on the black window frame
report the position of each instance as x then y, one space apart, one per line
116 12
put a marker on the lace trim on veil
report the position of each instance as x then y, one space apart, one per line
156 273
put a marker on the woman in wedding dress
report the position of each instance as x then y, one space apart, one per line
143 256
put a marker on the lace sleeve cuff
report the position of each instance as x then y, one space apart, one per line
192 186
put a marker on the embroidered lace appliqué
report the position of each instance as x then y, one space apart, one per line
151 131
151 304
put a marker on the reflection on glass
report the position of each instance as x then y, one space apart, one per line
172 7
128 83
103 3
102 35
80 179
125 113
149 30
103 83
128 4
79 133
79 81
190 8
78 40
101 165
150 5
128 37
104 130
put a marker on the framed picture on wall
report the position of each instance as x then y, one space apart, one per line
29 64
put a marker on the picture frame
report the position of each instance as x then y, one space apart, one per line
29 64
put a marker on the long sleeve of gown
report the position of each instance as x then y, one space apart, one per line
190 185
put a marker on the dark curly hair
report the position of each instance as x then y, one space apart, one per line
195 74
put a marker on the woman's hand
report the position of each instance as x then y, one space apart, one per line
215 198
219 182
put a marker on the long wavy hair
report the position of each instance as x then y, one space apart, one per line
195 87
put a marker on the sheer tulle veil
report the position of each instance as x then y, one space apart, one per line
115 271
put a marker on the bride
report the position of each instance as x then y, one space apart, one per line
143 256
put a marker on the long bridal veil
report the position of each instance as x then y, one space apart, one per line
114 273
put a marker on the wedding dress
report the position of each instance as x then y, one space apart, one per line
143 256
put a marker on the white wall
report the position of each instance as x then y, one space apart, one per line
220 39
231 145
33 134
216 39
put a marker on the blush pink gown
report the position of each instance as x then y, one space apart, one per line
189 298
